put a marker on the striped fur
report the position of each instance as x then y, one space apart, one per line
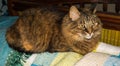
39 30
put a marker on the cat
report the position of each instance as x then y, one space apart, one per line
44 30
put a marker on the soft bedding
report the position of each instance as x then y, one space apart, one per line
10 57
5 22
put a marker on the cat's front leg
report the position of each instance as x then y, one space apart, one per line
78 50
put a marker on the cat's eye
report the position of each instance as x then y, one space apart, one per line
96 30
94 16
84 28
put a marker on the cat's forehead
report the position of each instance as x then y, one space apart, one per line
88 18
88 15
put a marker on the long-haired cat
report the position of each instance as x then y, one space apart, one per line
40 30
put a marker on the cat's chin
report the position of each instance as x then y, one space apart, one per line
88 37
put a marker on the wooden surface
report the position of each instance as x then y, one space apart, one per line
110 21
23 4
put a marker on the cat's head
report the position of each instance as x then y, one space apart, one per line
81 25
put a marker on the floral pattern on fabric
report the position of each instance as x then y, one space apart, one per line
3 7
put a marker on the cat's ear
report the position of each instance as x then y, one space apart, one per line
93 8
74 13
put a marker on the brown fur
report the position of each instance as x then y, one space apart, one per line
40 30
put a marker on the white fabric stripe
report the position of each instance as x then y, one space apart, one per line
107 48
30 60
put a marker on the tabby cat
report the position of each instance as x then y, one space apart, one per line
41 29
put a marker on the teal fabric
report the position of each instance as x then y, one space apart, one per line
113 61
5 22
44 59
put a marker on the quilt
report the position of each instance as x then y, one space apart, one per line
11 57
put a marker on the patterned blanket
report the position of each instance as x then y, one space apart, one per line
10 57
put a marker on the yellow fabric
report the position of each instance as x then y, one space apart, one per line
94 50
96 47
66 59
111 37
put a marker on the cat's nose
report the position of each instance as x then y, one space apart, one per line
89 36
90 31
